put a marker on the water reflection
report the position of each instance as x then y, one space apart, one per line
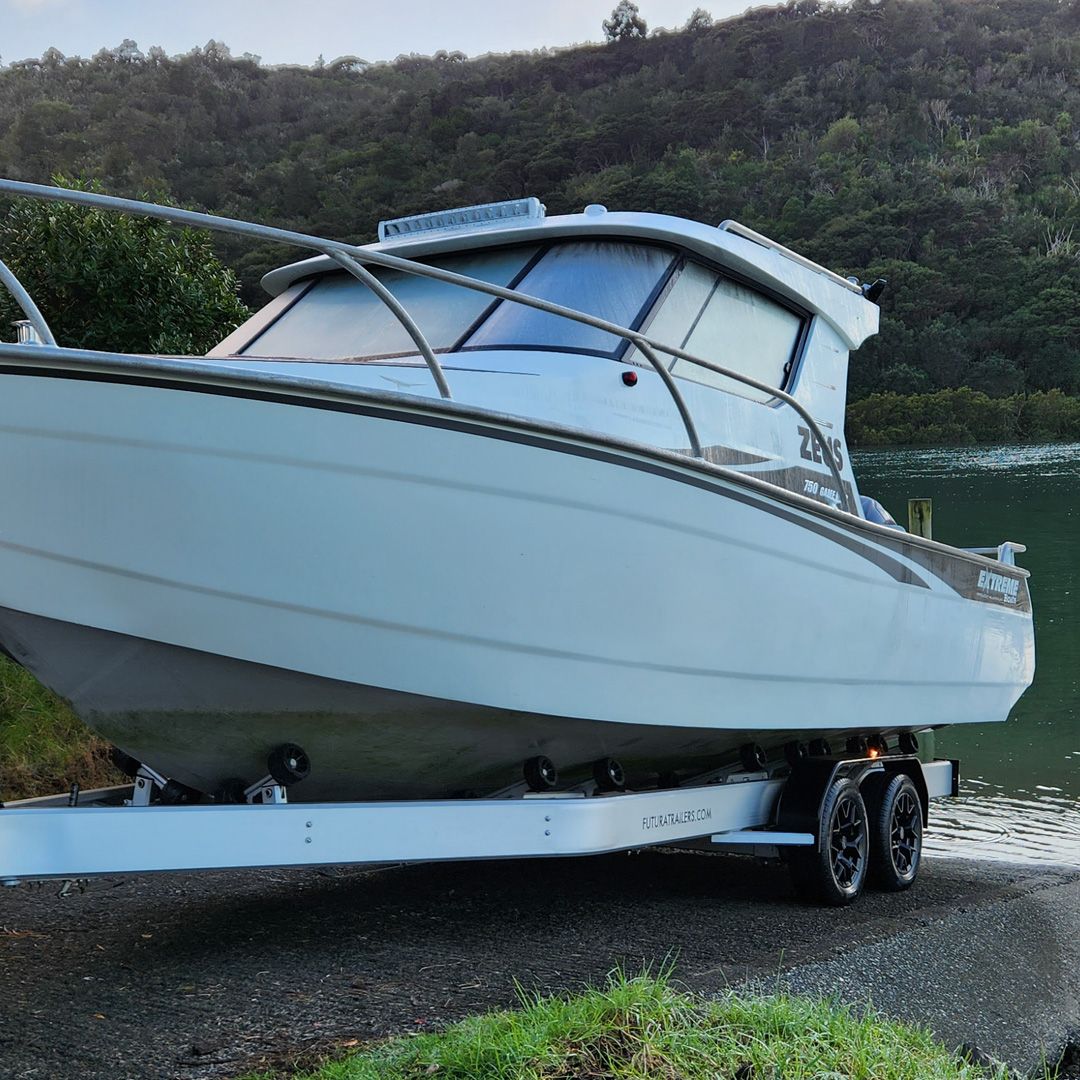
986 824
1020 800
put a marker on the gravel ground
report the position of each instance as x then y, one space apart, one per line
200 976
1003 976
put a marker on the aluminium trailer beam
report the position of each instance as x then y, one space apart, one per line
41 840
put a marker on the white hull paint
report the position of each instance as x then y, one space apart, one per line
476 563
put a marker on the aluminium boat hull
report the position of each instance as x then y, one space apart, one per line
205 719
423 598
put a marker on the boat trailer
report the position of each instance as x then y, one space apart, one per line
837 821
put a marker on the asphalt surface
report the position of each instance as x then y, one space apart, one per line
200 976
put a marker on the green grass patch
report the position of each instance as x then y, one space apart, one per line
44 746
643 1028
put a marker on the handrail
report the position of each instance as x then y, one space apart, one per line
736 228
355 254
26 302
398 309
1005 552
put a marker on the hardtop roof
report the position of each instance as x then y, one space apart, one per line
852 316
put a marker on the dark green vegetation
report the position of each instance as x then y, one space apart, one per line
963 416
109 281
44 747
932 142
643 1029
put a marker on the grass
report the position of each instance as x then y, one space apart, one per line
44 746
642 1028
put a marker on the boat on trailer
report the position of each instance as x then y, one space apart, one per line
501 502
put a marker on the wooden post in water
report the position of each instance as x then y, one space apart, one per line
920 517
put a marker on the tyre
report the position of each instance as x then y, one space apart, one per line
834 873
896 833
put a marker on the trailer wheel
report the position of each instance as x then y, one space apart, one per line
896 832
834 873
288 764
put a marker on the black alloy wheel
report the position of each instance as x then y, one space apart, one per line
896 834
834 871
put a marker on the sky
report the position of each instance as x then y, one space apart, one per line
299 31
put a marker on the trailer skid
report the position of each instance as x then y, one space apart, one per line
41 838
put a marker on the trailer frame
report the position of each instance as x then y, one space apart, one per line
114 831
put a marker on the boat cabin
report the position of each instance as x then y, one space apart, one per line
723 295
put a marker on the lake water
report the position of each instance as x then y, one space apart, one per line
1020 796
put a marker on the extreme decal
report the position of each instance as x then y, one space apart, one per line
999 585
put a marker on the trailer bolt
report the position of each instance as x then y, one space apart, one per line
547 832
307 839
547 817
308 824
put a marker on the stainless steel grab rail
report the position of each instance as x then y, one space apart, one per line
26 302
351 257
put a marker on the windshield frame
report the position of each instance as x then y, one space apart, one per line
232 347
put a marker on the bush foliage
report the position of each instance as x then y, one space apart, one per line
962 416
110 281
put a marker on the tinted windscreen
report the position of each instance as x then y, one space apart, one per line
728 324
341 318
610 280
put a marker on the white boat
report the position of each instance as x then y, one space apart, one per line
434 541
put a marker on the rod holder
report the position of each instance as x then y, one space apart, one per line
27 332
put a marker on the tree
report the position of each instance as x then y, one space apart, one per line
625 23
110 281
699 21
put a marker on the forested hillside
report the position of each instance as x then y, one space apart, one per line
932 142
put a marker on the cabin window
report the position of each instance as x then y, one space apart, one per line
340 318
611 280
729 324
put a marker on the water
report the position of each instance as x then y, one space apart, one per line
1020 797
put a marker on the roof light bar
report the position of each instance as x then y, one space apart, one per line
511 212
